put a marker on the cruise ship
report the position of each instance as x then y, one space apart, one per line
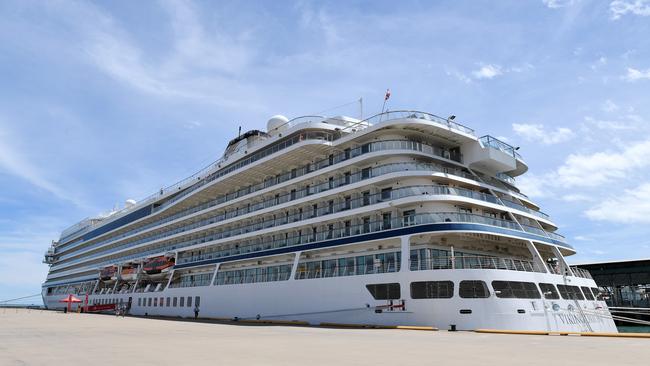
404 218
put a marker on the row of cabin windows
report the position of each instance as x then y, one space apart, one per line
169 301
478 290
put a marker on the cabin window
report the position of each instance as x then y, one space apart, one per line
365 173
197 300
384 291
570 292
175 301
155 302
139 301
348 201
386 221
409 217
162 301
515 290
169 300
549 291
182 302
432 290
473 290
587 292
149 302
189 301
386 193
366 224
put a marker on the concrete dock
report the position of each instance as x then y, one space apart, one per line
34 337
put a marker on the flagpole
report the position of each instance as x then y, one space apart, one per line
384 105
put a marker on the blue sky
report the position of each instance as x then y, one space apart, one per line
101 102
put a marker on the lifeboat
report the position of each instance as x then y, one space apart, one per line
128 273
108 273
156 265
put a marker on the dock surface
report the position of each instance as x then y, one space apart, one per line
35 337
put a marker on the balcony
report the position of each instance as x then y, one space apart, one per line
404 114
340 207
490 155
378 146
323 234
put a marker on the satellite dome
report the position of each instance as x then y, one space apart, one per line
130 203
276 124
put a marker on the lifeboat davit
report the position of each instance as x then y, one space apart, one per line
108 273
156 265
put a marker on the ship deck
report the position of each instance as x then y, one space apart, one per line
35 337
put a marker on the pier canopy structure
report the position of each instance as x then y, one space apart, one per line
627 282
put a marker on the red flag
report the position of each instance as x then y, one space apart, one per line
387 95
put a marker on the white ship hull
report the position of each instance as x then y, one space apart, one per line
345 300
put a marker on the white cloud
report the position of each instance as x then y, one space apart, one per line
609 106
630 207
556 4
537 132
592 170
636 75
627 122
198 65
487 72
459 75
15 163
583 238
577 197
618 8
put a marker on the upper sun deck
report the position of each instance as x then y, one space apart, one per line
283 133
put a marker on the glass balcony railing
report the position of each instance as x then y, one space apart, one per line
402 114
205 175
520 207
334 208
476 262
494 143
281 178
325 233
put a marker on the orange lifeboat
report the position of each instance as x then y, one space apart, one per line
128 273
107 273
161 264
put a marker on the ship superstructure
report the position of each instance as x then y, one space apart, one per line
405 218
